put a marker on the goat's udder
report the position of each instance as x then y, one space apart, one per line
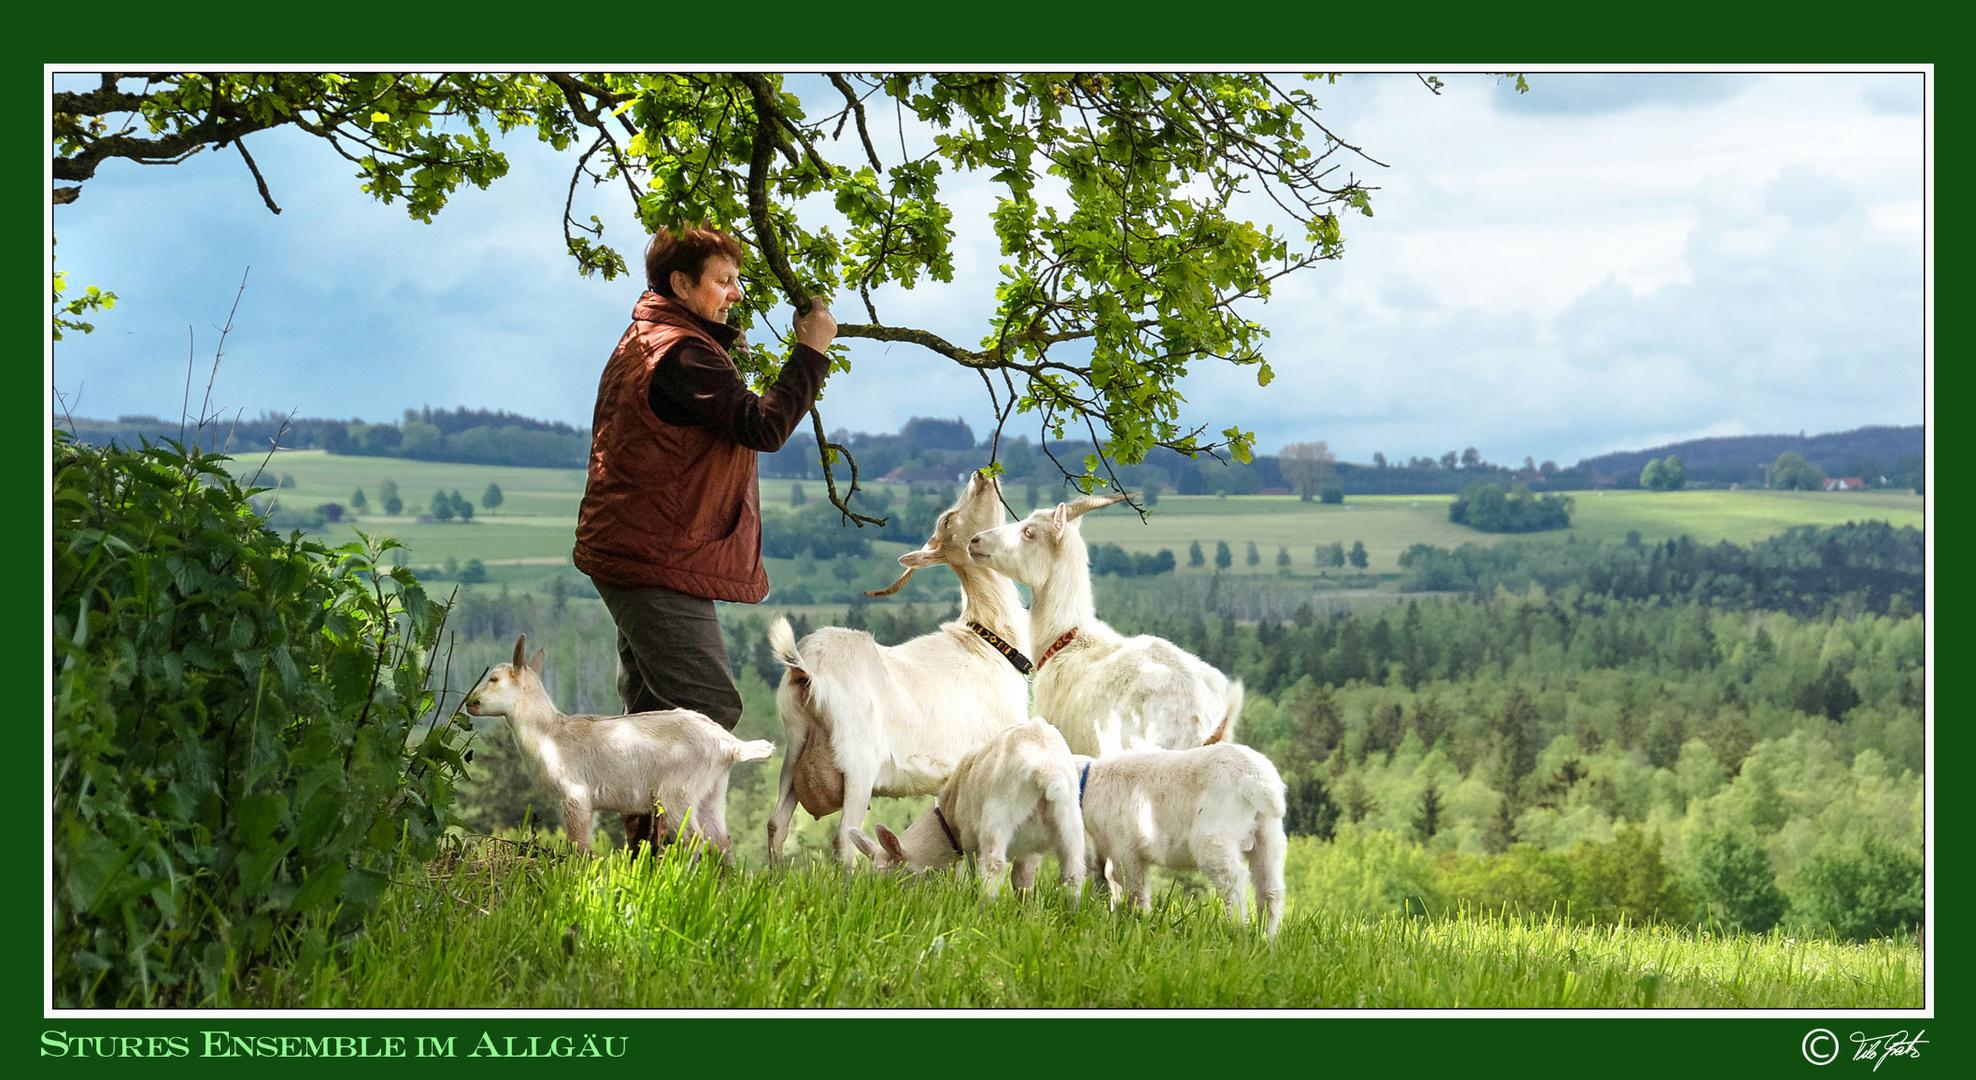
817 783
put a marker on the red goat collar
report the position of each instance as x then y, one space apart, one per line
1055 646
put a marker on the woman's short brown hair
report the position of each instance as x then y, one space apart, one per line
686 249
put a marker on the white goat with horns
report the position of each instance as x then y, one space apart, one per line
1104 691
677 759
864 719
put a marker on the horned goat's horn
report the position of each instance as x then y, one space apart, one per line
521 649
1088 503
895 586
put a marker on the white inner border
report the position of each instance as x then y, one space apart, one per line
1927 1011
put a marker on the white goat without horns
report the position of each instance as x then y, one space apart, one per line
677 758
1218 809
1013 797
865 719
1104 691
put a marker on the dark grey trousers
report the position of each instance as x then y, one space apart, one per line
670 656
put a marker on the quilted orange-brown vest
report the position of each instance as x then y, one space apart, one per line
665 505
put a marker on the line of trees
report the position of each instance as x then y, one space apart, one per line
937 450
467 436
1115 560
816 529
1807 570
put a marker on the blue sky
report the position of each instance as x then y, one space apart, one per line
1612 261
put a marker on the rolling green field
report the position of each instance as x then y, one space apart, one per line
506 925
531 533
1389 524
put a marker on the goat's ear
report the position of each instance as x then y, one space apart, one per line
922 558
892 845
1060 520
521 649
535 662
864 844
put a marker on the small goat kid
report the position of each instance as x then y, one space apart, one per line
864 719
677 759
1013 797
1218 809
1105 692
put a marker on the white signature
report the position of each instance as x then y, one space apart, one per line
1821 1047
1879 1048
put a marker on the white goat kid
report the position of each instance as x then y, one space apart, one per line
1217 809
677 759
1105 692
1013 797
864 719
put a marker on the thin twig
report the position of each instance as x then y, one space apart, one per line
857 107
186 404
273 445
823 448
218 351
259 181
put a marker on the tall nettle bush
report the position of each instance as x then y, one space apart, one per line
241 758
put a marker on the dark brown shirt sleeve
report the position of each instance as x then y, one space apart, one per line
693 386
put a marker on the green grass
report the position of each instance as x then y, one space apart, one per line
500 925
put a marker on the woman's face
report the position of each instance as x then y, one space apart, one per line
719 288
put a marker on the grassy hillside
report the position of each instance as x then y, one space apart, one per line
520 926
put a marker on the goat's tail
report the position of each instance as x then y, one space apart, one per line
757 750
782 641
1262 790
1230 713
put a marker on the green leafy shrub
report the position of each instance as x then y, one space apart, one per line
1731 876
1598 883
1626 880
1485 508
1861 892
1362 870
1524 881
237 761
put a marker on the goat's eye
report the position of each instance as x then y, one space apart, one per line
1029 532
